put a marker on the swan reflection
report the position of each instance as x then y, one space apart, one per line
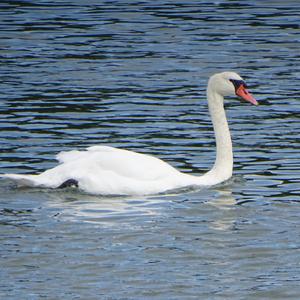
226 204
103 210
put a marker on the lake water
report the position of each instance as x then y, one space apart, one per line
133 74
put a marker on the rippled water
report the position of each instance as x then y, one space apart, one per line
133 75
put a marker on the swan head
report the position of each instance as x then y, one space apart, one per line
229 84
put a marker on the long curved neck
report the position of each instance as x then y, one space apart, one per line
223 166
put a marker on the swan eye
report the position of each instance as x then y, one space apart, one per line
238 83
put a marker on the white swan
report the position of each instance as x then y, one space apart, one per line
110 171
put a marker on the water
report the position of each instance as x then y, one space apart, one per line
133 75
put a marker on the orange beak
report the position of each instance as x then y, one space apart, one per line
243 93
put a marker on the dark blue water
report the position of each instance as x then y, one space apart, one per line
133 74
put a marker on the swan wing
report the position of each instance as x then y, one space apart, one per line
121 162
73 155
107 170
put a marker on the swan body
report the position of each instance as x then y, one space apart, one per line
111 171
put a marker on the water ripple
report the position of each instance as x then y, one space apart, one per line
134 75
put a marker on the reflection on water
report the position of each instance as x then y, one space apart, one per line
102 210
133 75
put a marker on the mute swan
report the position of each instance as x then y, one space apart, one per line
110 171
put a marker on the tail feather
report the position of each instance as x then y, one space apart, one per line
21 180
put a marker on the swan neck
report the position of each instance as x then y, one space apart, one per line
223 165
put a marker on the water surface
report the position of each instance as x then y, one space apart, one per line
133 75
